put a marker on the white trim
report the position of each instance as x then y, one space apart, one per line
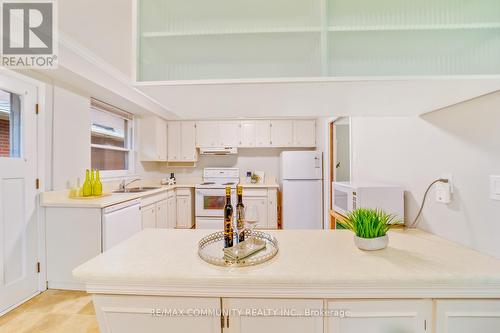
18 304
315 79
108 147
161 34
364 291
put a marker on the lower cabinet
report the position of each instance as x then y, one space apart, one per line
265 202
380 316
467 316
271 315
133 314
171 210
148 214
185 208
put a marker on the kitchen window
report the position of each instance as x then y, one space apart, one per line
111 139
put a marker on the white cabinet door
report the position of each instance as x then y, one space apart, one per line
188 141
381 316
174 141
242 316
272 208
248 133
149 216
281 133
261 206
262 133
153 139
466 316
229 133
184 212
172 211
162 214
207 134
133 314
304 133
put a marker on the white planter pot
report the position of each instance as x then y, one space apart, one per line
371 244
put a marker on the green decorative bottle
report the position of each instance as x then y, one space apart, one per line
87 186
97 188
92 181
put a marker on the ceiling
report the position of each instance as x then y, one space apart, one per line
105 29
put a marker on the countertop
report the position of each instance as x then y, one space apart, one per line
61 199
310 263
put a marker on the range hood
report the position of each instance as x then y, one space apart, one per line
219 151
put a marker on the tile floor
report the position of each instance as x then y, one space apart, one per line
54 311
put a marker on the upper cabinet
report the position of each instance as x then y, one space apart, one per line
207 134
230 133
281 133
304 133
181 141
262 133
153 141
248 133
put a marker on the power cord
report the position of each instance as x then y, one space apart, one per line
415 221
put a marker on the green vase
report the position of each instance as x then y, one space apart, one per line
87 186
97 188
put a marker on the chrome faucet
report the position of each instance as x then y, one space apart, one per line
123 184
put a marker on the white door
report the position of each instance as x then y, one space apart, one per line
188 141
282 133
262 133
381 316
173 141
148 214
248 133
162 214
282 315
207 134
304 133
230 133
465 316
18 193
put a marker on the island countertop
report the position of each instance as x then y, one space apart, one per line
310 263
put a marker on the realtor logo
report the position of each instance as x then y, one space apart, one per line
28 34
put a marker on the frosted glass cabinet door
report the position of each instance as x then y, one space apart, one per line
373 316
207 134
248 323
466 316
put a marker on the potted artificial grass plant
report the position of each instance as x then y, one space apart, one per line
370 227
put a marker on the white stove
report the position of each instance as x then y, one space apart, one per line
210 196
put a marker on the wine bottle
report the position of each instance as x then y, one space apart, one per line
87 187
228 220
240 214
97 188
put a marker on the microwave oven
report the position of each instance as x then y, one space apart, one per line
348 196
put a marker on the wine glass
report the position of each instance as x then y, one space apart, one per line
251 219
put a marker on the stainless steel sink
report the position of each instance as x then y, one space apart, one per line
137 189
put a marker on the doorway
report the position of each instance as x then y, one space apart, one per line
18 192
340 158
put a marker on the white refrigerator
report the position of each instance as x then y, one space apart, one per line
301 184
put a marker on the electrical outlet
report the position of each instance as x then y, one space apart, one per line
444 190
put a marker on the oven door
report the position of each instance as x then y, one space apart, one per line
211 202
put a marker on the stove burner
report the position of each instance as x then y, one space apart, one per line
208 183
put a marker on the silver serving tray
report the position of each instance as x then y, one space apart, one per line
211 250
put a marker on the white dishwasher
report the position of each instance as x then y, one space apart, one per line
120 222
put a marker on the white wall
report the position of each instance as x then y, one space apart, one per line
413 151
71 138
254 159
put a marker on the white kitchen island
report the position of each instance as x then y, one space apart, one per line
318 282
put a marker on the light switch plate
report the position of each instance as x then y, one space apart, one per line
495 187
